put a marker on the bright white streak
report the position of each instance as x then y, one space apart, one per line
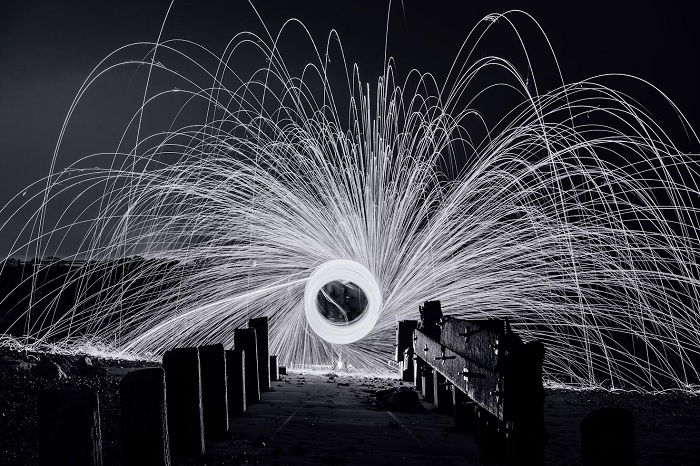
574 216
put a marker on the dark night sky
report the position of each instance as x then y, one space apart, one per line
48 47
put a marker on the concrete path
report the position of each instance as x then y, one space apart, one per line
320 420
312 419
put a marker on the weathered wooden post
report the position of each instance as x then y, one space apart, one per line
274 369
463 409
404 339
245 340
430 319
184 402
69 428
212 361
490 437
417 373
427 383
408 365
607 438
260 324
235 378
144 427
522 370
442 393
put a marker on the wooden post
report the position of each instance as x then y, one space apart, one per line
404 337
430 318
69 428
442 393
144 427
245 340
427 383
235 378
184 402
214 400
418 373
490 437
408 366
274 369
463 409
607 437
260 324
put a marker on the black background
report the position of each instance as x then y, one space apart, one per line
48 47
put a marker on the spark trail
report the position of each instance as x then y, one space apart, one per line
573 214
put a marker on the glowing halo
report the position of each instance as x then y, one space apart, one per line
347 271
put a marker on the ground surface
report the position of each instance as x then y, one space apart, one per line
322 419
333 420
22 375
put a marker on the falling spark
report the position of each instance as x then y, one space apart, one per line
572 215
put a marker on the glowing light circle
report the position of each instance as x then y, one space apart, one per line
342 270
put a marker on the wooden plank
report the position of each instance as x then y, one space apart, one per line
476 340
481 384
